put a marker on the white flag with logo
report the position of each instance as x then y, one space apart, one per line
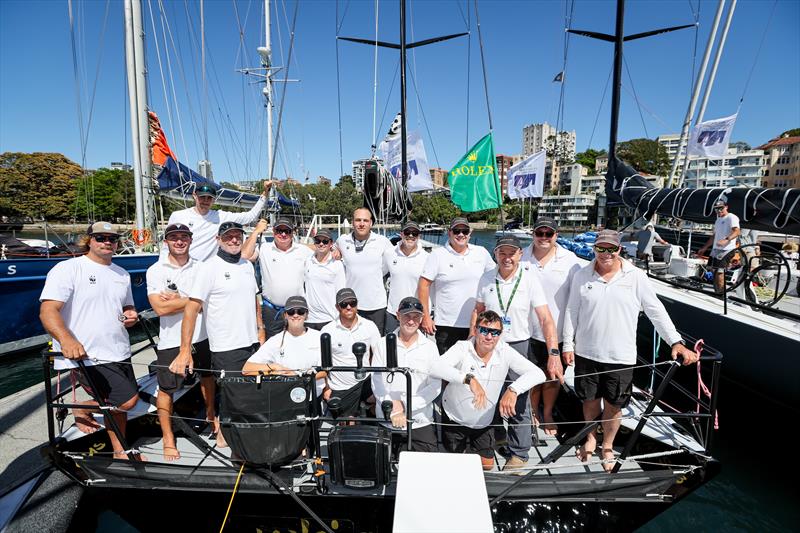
711 138
419 175
526 178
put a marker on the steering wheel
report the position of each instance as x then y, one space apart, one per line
764 271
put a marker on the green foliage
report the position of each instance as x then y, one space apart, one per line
645 155
106 195
435 208
588 158
38 185
794 132
741 145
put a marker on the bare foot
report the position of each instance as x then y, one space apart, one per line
84 420
549 427
136 456
609 459
585 452
221 440
171 453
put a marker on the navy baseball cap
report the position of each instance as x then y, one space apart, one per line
225 227
177 228
508 240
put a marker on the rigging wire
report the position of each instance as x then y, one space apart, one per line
424 119
375 82
161 67
568 12
339 87
286 70
483 65
636 98
600 108
758 53
469 62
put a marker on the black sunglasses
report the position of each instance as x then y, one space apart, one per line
411 233
461 231
292 312
322 241
540 233
483 330
106 238
411 306
283 231
349 303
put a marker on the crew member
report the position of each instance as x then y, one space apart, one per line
645 241
87 305
323 277
404 263
726 230
605 298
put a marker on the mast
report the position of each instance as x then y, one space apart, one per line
266 58
696 92
140 126
403 140
619 37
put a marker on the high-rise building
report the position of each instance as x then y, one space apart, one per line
439 178
670 142
204 169
504 163
116 165
538 137
738 167
782 162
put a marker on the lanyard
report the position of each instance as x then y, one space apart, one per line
513 292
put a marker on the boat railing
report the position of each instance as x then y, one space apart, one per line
317 222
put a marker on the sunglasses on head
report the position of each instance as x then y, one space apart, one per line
292 312
349 303
461 231
322 241
606 249
411 233
106 238
283 231
544 233
494 332
410 307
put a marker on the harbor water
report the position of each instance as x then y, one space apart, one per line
756 490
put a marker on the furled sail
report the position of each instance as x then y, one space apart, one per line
759 208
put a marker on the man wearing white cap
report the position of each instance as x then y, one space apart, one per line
646 238
726 230
605 299
87 305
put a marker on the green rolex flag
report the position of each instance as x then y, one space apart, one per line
473 180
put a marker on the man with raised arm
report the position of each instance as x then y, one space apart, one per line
169 283
204 221
87 305
605 298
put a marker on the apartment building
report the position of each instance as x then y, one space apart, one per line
782 162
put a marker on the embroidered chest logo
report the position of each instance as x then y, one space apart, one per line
394 262
451 265
491 289
589 286
191 224
92 280
227 275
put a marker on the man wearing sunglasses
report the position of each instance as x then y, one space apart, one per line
323 277
225 289
87 305
204 221
600 320
469 405
404 263
726 231
513 292
362 253
281 264
554 267
169 282
453 271
345 389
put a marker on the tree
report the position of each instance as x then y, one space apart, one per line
106 195
645 155
589 158
790 133
434 208
741 145
39 185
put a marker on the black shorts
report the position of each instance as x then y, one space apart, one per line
424 439
273 320
116 383
232 360
613 387
539 354
714 262
170 382
461 439
377 316
447 336
350 399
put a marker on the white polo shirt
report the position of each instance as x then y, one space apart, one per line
404 272
455 280
601 316
94 296
342 340
295 353
204 228
457 399
723 227
161 274
365 269
228 294
322 282
524 292
421 356
282 272
555 277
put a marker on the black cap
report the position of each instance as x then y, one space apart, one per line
459 221
410 304
284 222
177 228
296 302
508 240
720 203
546 222
345 295
410 224
206 189
228 226
323 232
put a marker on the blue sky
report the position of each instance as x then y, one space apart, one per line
523 47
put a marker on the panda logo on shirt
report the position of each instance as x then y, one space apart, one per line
227 275
92 279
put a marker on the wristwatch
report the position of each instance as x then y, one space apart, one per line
468 378
555 352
